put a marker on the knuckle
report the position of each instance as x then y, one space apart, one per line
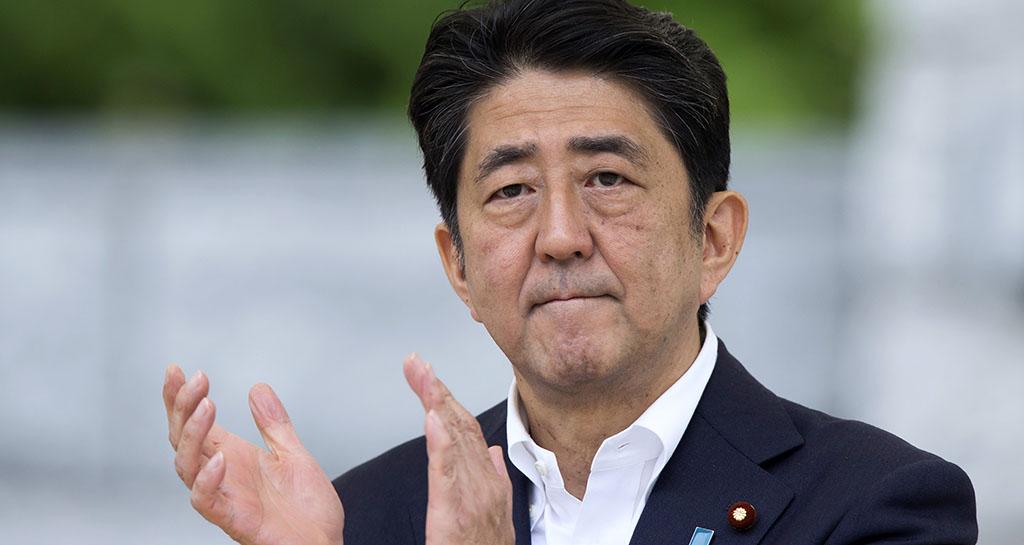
180 402
185 436
188 432
468 425
448 471
454 436
197 500
452 421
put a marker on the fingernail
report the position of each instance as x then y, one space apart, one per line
428 379
203 408
194 381
420 361
266 404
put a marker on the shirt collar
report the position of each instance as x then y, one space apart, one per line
670 414
519 440
667 418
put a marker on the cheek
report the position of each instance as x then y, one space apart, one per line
497 261
655 259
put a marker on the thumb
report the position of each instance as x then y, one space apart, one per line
273 422
498 461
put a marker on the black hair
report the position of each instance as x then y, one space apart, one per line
472 50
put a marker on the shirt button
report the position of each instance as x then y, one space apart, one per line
541 468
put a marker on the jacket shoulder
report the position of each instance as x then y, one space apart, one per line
860 447
874 484
850 482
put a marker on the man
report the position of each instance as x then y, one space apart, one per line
579 152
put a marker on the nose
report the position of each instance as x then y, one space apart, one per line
564 230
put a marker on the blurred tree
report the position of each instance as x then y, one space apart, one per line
787 59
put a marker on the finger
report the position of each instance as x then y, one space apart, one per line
174 378
417 373
459 421
459 484
458 451
206 496
424 382
273 422
189 453
185 403
431 390
462 434
498 461
441 474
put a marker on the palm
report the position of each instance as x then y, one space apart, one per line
273 496
269 498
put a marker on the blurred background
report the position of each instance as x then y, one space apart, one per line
232 186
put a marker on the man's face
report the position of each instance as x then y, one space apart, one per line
574 214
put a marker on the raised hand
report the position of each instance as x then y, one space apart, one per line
469 501
279 496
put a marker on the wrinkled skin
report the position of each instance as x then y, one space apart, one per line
281 496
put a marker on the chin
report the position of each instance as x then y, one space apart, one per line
572 365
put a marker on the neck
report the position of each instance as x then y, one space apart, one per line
573 425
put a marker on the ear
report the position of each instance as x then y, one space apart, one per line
725 226
453 265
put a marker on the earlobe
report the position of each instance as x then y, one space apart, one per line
452 262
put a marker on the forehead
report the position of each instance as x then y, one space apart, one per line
548 109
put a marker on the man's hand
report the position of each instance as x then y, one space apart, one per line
469 500
279 496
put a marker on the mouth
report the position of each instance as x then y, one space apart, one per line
568 300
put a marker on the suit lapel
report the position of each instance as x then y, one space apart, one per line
737 426
520 503
705 476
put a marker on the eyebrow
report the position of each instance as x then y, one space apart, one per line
616 144
502 156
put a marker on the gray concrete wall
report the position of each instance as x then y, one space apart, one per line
301 255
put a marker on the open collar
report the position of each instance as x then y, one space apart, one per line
737 426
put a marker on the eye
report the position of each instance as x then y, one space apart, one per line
607 179
510 191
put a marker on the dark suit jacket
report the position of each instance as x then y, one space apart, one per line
811 477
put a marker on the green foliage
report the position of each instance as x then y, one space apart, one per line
786 58
787 61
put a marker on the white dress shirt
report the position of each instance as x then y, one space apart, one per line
624 469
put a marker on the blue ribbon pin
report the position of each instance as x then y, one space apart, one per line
701 536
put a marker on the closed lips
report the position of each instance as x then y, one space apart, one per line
565 298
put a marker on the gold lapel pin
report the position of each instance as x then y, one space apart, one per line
742 515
